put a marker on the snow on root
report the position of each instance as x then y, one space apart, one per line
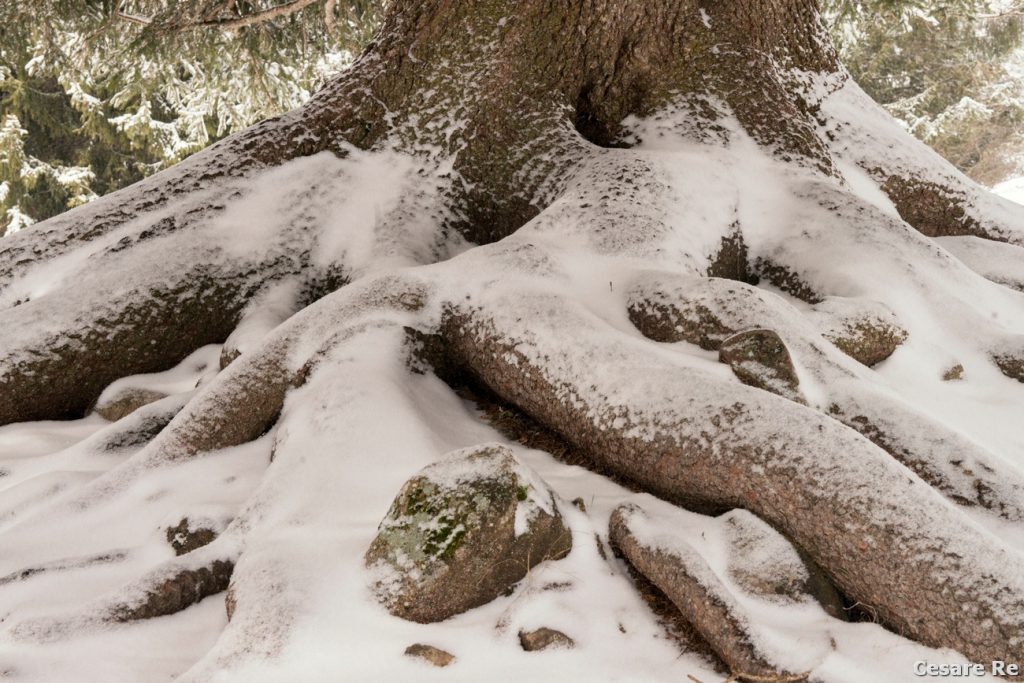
706 311
675 429
734 598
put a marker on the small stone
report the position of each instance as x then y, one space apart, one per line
954 373
430 654
543 639
126 402
184 539
759 358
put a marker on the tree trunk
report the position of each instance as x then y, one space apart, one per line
526 132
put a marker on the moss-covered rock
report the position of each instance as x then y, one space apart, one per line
759 358
462 532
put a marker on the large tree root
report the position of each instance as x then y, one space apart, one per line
1001 263
108 346
168 589
142 306
141 426
698 592
706 311
714 445
925 189
511 117
237 407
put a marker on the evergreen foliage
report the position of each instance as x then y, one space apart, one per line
96 94
951 70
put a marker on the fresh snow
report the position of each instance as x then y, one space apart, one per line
92 520
1012 189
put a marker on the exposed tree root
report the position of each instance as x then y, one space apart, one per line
759 358
238 408
999 262
126 403
514 117
934 209
786 280
706 312
678 628
1011 362
63 565
168 589
140 427
713 447
182 590
703 601
165 326
926 190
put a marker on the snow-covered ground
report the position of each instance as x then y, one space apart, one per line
345 634
363 424
1012 189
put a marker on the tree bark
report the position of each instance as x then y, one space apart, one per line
519 116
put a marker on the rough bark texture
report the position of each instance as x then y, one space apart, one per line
609 60
179 592
708 312
126 402
526 111
704 602
871 564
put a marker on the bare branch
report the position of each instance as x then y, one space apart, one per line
134 18
260 17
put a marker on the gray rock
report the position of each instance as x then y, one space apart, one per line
544 638
462 532
430 654
759 358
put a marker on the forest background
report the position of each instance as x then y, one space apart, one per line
97 94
